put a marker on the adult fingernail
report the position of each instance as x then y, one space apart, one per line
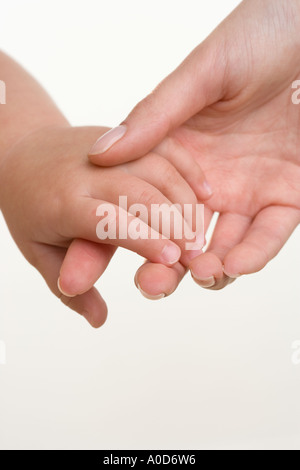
233 276
149 296
206 282
107 140
62 291
135 280
170 254
207 188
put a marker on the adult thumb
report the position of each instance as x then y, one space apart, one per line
195 84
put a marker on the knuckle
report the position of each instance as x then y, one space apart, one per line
150 106
149 197
60 208
154 162
169 173
144 106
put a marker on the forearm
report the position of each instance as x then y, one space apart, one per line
28 107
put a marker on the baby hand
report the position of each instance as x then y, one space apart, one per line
50 194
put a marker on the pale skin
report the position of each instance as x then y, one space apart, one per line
49 194
229 105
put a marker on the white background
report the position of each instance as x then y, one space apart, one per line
197 370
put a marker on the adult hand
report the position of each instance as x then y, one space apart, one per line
229 104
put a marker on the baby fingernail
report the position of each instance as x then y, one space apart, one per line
207 282
170 254
61 291
149 296
107 140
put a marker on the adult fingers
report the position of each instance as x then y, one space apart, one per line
264 239
207 269
186 165
156 281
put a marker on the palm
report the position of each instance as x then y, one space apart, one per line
251 158
252 161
